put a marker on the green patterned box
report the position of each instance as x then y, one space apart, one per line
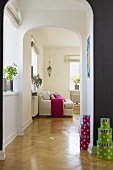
105 135
105 150
105 123
104 142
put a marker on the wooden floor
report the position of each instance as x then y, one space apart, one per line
51 144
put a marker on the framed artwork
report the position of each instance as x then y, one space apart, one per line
88 56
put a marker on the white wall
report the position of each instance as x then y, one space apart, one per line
59 80
11 54
90 85
10 47
10 101
26 95
26 81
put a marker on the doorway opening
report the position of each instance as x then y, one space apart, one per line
22 70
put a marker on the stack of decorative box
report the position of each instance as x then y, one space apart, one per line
85 132
104 142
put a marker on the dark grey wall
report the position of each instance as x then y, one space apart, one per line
103 62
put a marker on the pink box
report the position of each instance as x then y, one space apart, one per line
84 141
85 129
88 131
86 119
83 148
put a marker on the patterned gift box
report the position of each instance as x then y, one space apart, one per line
83 147
105 150
86 119
105 123
84 141
85 129
105 135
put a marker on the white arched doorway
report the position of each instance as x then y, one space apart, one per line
63 19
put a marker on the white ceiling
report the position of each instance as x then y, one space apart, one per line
54 36
57 37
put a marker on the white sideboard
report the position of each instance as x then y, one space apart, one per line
34 104
9 117
75 96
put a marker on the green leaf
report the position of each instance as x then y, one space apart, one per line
9 72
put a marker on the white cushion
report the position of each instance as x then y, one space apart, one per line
46 95
52 96
68 104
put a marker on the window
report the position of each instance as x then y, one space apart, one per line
34 62
35 51
74 71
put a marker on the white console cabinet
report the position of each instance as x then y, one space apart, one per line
34 104
10 111
75 96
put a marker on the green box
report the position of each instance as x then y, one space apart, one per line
105 123
105 135
104 151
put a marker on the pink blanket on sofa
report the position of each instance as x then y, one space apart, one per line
56 108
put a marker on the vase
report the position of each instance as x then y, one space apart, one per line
8 85
76 87
4 85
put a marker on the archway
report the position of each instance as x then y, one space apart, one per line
68 44
64 25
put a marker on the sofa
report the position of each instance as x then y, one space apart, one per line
45 104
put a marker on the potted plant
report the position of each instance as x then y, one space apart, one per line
37 81
8 73
76 80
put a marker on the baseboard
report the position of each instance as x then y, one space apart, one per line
27 123
92 149
2 155
20 133
10 139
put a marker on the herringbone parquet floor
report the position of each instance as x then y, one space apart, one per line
51 144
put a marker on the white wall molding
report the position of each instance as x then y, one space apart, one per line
2 155
27 123
92 149
10 139
20 133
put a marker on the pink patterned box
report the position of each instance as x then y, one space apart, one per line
84 147
88 131
84 141
86 119
85 129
